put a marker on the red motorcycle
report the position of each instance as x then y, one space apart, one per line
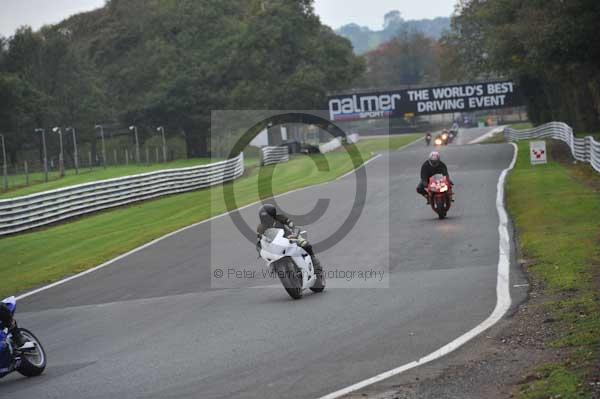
440 194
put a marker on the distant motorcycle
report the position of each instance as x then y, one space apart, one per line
29 360
451 137
445 136
441 139
455 128
290 262
440 195
428 139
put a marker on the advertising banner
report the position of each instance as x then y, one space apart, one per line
424 101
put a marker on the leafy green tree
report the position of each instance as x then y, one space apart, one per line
170 62
549 47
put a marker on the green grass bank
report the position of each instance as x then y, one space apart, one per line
555 209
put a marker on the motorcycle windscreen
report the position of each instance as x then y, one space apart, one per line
11 303
271 234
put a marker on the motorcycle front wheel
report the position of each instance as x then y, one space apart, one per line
440 207
290 277
33 362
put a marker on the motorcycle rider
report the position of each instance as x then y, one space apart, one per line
269 218
431 167
428 138
7 321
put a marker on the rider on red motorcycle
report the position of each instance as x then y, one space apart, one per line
431 167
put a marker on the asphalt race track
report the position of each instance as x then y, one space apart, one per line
151 326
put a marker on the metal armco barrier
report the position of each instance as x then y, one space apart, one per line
31 211
273 155
331 146
353 138
583 149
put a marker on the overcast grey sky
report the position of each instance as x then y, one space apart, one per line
335 13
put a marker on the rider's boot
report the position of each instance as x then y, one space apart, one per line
317 266
18 339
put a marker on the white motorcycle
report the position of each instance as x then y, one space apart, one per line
290 262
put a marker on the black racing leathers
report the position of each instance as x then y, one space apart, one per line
428 170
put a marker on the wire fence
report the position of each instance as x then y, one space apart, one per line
86 153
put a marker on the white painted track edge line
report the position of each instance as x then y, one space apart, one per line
378 156
487 135
144 246
364 164
503 299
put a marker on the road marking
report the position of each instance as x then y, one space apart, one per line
520 285
378 156
361 166
503 299
487 135
133 251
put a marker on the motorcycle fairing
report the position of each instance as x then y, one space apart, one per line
5 353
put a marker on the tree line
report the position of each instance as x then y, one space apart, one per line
365 39
156 63
549 47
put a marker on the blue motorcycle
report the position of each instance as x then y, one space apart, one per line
28 360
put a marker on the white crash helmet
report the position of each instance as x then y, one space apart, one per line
434 158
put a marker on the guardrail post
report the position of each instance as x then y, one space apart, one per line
147 156
126 156
26 167
115 156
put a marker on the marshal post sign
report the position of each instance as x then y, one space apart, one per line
424 101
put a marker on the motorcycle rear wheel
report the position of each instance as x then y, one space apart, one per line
319 285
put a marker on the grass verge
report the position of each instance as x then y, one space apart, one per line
499 137
495 139
595 135
44 256
555 208
521 126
